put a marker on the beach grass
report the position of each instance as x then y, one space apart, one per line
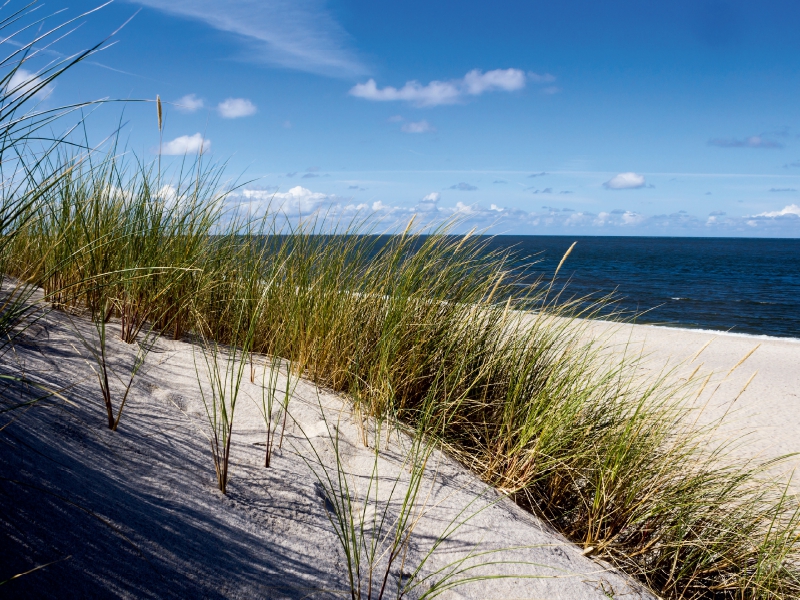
425 326
423 329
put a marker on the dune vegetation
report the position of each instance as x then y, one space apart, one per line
422 327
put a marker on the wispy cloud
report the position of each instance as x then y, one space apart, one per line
189 103
625 181
464 187
186 144
296 34
782 190
542 174
540 78
234 108
754 141
437 93
24 82
417 127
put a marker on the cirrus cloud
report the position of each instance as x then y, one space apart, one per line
295 34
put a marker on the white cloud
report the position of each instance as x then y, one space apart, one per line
538 78
302 202
186 144
754 141
791 209
189 103
23 83
296 34
437 93
233 108
433 94
506 80
625 181
417 127
297 200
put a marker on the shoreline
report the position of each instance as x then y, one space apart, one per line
760 336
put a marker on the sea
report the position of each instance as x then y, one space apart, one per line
738 285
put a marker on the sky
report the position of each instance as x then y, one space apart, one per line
525 117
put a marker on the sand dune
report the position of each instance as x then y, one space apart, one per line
136 513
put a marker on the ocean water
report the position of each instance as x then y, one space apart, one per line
749 286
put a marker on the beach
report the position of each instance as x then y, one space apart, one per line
759 398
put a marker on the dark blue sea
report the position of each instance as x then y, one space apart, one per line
749 286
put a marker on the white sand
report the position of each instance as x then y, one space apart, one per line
766 413
136 513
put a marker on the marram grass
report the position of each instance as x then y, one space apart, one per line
426 327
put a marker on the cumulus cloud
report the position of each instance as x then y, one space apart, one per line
429 202
234 108
754 141
300 202
186 144
504 80
189 103
297 200
787 211
625 181
437 93
463 187
417 127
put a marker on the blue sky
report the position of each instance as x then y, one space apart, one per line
608 118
